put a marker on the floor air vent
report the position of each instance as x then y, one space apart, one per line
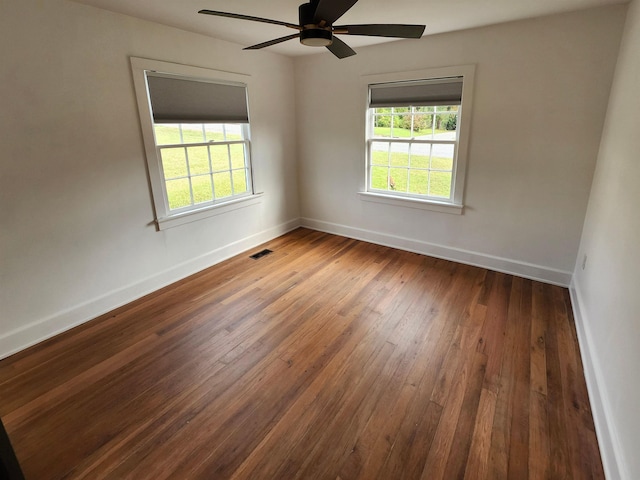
261 254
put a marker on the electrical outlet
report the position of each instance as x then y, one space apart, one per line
584 261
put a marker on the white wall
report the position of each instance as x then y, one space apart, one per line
606 293
540 97
76 224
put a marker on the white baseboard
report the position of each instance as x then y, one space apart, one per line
610 450
499 264
28 335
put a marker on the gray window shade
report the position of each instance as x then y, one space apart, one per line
177 100
441 91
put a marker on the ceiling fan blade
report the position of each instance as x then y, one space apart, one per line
248 17
272 42
340 49
382 30
331 10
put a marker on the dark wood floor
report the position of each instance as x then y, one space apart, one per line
329 358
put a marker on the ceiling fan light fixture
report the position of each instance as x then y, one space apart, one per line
316 37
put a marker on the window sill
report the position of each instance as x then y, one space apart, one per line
208 211
434 206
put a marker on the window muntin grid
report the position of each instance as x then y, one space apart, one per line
412 150
202 164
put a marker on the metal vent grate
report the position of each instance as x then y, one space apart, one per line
261 254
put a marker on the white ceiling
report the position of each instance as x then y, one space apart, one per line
438 15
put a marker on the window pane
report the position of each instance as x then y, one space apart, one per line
399 155
237 155
381 124
398 179
239 181
214 131
440 184
192 133
219 157
202 188
419 181
167 134
233 131
198 160
178 193
441 163
174 162
379 153
446 124
442 157
381 121
422 125
420 153
379 177
400 126
222 184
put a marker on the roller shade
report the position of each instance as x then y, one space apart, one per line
183 100
441 91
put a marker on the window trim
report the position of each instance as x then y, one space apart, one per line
411 202
189 216
164 218
456 202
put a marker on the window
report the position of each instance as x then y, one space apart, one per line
416 137
196 128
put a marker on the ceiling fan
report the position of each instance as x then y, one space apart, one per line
316 28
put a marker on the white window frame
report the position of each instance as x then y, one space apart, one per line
164 217
455 204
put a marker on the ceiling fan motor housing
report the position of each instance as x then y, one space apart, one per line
313 34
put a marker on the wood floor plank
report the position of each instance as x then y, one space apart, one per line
478 460
540 311
470 375
329 358
493 335
520 371
463 434
559 460
538 437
